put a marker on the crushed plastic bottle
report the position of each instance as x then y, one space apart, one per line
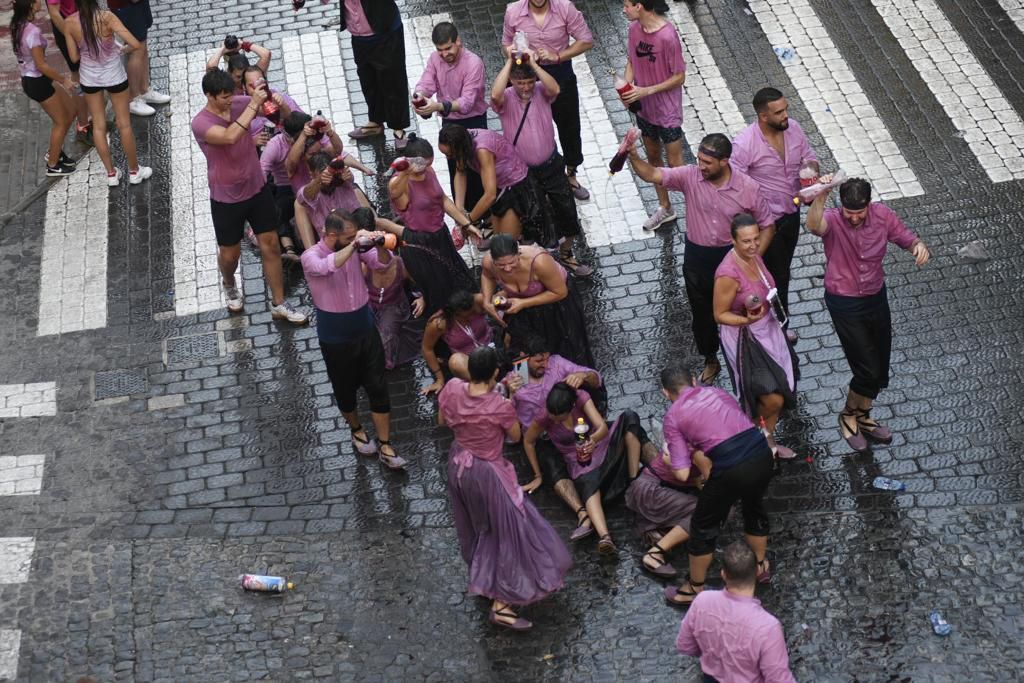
939 625
886 484
786 54
265 584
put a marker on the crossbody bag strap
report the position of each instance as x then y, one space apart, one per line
521 123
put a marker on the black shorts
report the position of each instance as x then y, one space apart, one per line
660 133
38 88
137 18
112 89
62 45
229 218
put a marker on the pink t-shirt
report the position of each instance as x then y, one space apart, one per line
710 208
564 439
700 419
655 58
355 20
537 138
343 197
779 178
31 37
334 289
509 167
67 7
479 422
233 171
272 161
730 267
853 256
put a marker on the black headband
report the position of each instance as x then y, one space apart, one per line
713 153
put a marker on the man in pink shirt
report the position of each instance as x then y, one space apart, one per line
349 341
710 421
238 190
655 62
855 237
456 76
524 107
715 193
548 25
735 638
772 150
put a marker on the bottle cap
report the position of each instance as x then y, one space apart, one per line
291 585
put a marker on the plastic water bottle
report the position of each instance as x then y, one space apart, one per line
419 101
808 173
886 484
939 625
786 54
619 160
265 584
520 44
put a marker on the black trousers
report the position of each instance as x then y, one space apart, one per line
864 327
553 184
745 482
354 364
474 185
565 110
380 65
779 255
699 265
284 198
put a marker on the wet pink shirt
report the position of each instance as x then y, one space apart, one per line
731 267
343 197
853 256
355 20
272 161
564 439
736 639
31 36
562 21
233 171
509 167
67 7
530 399
779 179
656 57
468 338
334 289
700 419
537 139
462 82
258 123
710 209
425 210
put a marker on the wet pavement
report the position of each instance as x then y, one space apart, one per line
153 457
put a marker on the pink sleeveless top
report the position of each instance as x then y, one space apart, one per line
103 68
425 210
468 338
733 269
381 297
533 287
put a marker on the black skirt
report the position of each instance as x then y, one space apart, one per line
561 324
526 200
612 477
435 266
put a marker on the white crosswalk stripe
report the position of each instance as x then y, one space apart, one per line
1015 10
10 648
28 400
990 126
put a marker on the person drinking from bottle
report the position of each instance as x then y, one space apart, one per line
600 462
452 334
254 77
233 53
328 189
522 95
855 236
775 152
761 362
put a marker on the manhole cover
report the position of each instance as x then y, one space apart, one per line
187 349
114 383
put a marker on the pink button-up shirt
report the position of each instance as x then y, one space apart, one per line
530 399
461 82
562 21
509 167
779 178
233 171
853 256
343 197
710 209
537 138
355 19
334 289
736 639
700 419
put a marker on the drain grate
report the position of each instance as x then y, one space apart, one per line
116 383
188 349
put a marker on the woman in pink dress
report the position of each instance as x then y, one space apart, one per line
514 556
761 362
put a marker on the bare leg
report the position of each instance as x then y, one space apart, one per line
567 492
227 261
670 540
58 108
99 129
759 544
768 408
382 425
123 117
138 71
674 153
458 364
508 224
270 250
654 157
596 512
80 105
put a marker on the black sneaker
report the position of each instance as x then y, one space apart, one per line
65 160
59 170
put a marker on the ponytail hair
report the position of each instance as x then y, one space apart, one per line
21 15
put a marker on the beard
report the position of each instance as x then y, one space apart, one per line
780 126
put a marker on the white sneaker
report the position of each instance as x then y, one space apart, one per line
136 177
659 217
156 97
114 180
139 107
284 311
236 300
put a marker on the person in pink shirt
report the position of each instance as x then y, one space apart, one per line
456 76
657 70
514 556
714 194
59 10
522 95
549 25
349 342
326 191
772 150
452 334
238 191
736 639
253 78
234 53
708 420
856 236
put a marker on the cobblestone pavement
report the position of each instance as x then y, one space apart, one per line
151 454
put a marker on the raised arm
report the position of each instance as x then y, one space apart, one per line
500 84
234 131
815 221
645 170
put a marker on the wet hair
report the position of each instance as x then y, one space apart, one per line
336 220
253 68
675 377
295 122
460 300
533 344
740 221
418 147
238 62
560 399
656 6
521 72
87 10
21 15
217 82
364 218
855 194
739 563
318 162
444 33
503 245
764 96
719 144
460 142
483 363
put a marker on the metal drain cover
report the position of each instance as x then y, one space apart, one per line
116 383
192 348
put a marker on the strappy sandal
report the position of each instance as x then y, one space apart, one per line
519 624
606 547
766 575
671 592
392 462
568 260
664 570
707 380
582 530
364 445
870 428
855 439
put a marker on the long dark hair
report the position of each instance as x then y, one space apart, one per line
460 142
21 15
87 11
460 300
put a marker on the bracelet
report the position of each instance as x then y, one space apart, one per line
446 107
240 125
